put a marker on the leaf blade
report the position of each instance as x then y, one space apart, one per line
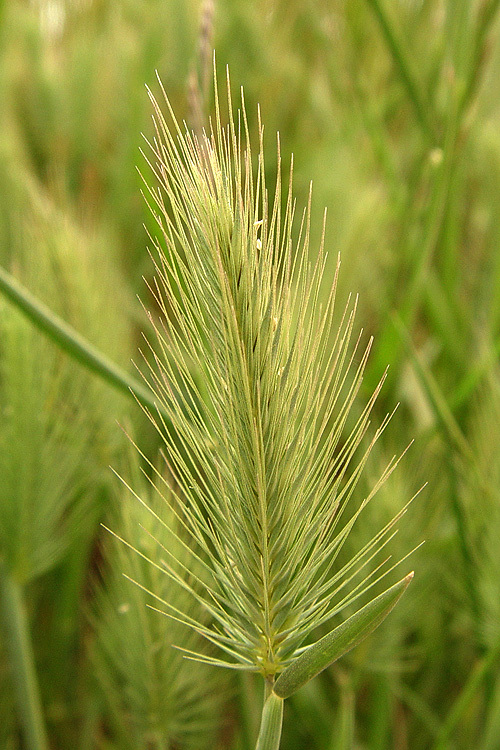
339 641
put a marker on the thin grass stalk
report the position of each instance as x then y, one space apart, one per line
443 413
487 16
465 544
403 67
389 342
418 706
21 657
466 696
71 342
199 78
475 376
342 734
453 438
380 713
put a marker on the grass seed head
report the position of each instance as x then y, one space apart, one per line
261 378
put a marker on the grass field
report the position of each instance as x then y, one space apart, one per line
392 110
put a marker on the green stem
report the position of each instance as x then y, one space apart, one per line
487 15
465 546
342 733
271 723
442 412
475 375
380 713
388 348
465 698
249 708
72 343
403 66
20 652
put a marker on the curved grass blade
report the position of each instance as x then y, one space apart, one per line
72 342
342 639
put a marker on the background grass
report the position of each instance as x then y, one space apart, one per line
393 110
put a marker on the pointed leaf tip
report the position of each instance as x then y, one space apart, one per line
339 641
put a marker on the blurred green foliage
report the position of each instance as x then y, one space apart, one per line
393 110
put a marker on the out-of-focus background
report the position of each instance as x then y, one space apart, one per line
392 109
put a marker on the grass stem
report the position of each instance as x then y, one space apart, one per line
487 17
72 342
272 721
466 696
403 67
20 652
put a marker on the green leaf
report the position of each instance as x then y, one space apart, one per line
320 655
270 728
71 342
